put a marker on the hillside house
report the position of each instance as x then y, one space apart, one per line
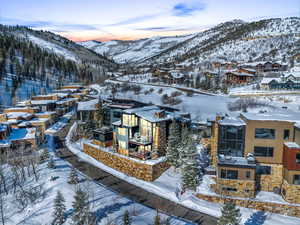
270 67
143 132
257 152
235 77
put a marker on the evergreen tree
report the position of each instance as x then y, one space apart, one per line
45 155
81 209
230 214
51 163
126 218
191 170
172 153
73 177
59 209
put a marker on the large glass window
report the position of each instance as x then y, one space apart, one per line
298 158
263 170
231 140
129 120
296 179
260 151
264 133
229 174
286 134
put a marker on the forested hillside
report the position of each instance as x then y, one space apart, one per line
44 55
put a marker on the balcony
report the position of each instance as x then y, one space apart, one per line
143 155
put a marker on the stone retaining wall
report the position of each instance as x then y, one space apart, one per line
125 165
285 209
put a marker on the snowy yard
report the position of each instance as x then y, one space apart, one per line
106 205
167 186
202 107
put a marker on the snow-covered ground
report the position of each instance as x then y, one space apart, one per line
202 107
167 186
53 48
107 205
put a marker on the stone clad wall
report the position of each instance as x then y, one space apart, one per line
290 192
132 168
285 209
245 188
274 180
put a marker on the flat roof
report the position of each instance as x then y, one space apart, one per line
286 116
232 121
42 102
292 145
235 162
149 113
87 105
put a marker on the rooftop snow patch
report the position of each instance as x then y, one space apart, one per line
149 113
292 145
286 117
235 161
22 133
88 105
232 121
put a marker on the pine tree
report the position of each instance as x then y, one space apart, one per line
44 156
230 214
59 209
191 171
81 209
126 218
172 153
51 163
73 177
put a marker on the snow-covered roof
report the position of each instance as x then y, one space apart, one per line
65 100
177 75
232 121
292 145
267 80
48 113
294 74
88 105
117 123
235 161
149 113
22 133
42 102
242 74
287 116
15 115
3 127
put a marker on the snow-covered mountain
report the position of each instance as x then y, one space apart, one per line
271 39
136 50
40 53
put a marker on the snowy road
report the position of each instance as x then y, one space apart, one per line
135 193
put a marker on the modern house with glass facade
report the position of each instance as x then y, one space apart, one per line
263 155
143 132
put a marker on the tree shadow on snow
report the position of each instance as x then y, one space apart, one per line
257 218
104 212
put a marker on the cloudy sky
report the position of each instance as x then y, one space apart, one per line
105 20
